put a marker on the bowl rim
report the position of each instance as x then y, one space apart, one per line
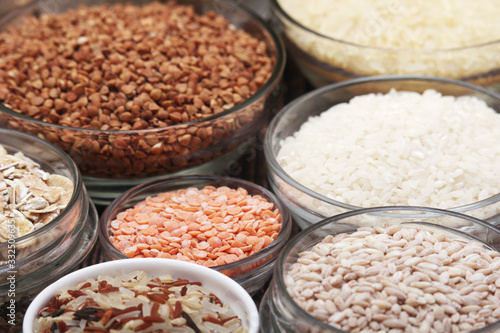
149 265
214 180
275 167
282 13
263 91
78 187
278 273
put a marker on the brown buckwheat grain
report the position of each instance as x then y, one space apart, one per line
123 67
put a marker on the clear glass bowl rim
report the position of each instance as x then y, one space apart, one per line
75 173
278 273
275 167
260 93
231 182
277 8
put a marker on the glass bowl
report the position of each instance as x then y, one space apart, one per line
55 248
112 161
324 60
307 206
251 272
280 313
223 287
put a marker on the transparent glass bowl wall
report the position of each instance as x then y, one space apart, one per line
107 175
279 312
324 60
252 272
307 206
54 249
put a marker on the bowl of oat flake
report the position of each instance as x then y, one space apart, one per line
48 223
133 91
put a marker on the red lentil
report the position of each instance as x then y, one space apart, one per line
210 226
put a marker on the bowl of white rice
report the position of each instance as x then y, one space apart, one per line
332 41
387 141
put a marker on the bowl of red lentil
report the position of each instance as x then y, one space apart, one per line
231 225
143 296
387 269
134 91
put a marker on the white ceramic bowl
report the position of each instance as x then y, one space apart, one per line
224 287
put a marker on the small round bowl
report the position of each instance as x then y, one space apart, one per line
223 287
251 272
52 250
324 60
112 161
281 314
307 206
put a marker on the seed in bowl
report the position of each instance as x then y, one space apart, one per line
399 148
139 91
209 226
405 279
29 196
374 37
137 303
124 67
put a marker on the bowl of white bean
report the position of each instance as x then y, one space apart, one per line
388 269
387 141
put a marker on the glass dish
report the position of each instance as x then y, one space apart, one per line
279 312
324 60
309 207
251 272
56 248
113 161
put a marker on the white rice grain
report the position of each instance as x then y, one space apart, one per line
399 148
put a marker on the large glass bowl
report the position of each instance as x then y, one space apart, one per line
251 272
307 206
113 161
324 59
281 314
54 249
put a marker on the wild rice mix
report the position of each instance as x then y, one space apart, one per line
138 303
398 280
